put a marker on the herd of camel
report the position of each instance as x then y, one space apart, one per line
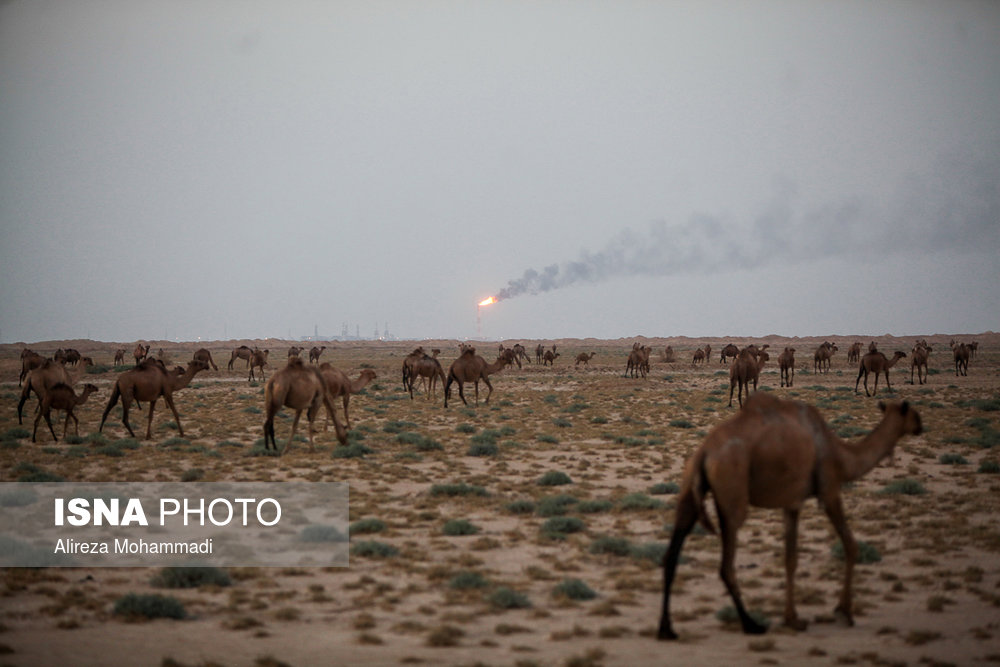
773 453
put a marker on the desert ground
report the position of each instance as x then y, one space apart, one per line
466 549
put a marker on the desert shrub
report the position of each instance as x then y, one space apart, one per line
461 489
467 580
465 428
640 501
15 433
664 488
652 551
599 420
373 549
398 426
354 450
562 423
134 606
681 423
594 506
111 449
952 459
555 505
483 449
561 525
906 487
575 407
507 598
252 410
29 472
456 527
321 533
445 635
616 546
548 439
867 553
175 441
192 475
521 506
551 399
364 526
554 478
574 589
190 577
991 467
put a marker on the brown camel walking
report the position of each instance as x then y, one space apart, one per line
584 358
148 382
821 357
920 356
428 369
339 385
258 360
876 362
241 352
744 370
140 352
961 353
786 362
776 454
299 387
205 357
470 367
315 353
729 350
119 356
854 353
62 397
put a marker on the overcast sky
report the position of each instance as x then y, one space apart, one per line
241 169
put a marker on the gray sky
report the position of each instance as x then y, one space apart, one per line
248 169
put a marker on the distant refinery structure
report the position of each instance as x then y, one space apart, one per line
345 334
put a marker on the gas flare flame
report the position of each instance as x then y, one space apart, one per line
487 302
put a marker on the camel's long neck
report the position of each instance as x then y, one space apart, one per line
860 456
496 366
360 383
185 378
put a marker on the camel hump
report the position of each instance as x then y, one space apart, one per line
295 362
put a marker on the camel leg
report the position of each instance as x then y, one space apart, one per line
337 426
177 418
887 385
684 521
149 422
728 525
490 385
835 511
126 404
791 564
295 425
732 385
347 417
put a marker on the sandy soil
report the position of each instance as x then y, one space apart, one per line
933 598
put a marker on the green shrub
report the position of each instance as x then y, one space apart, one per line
483 449
990 467
640 501
398 426
192 475
465 428
562 423
364 526
320 533
907 487
467 580
616 546
554 478
462 489
352 451
15 433
574 589
561 525
681 423
506 598
651 551
599 420
456 527
594 506
190 577
373 549
555 505
867 553
952 459
521 506
134 606
664 488
548 439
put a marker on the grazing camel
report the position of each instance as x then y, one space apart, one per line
119 356
339 385
699 357
786 362
148 382
68 356
776 453
961 353
314 354
638 361
821 357
41 379
708 352
428 369
29 361
921 353
295 351
745 369
854 353
299 387
729 350
521 353
241 352
205 357
258 360
140 352
549 358
876 362
470 367
668 356
411 359
62 397
584 358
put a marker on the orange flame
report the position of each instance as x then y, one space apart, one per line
487 302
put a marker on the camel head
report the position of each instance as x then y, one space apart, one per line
912 424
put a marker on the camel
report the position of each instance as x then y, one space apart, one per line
708 352
776 453
29 362
119 356
549 358
961 353
539 351
638 361
205 357
512 352
521 353
668 355
729 350
699 357
148 382
584 358
140 352
744 370
921 352
876 362
408 363
973 348
854 353
295 351
339 385
241 352
429 369
69 356
314 354
786 362
299 387
470 367
62 397
258 360
41 379
821 357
